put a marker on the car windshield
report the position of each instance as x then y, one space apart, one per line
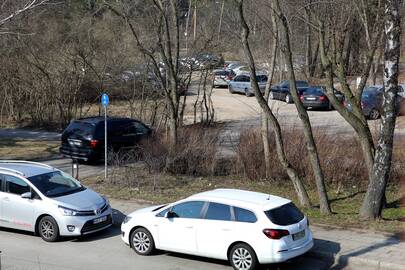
221 73
370 92
313 91
56 184
284 215
302 84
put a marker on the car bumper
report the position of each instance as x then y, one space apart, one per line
84 225
284 254
125 231
316 105
79 154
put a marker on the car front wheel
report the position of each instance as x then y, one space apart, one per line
48 229
243 257
288 99
142 242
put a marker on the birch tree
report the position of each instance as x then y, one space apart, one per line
373 201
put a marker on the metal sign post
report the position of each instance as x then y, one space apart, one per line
104 102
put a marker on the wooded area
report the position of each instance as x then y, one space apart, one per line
59 56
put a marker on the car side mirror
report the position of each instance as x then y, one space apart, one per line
170 214
26 195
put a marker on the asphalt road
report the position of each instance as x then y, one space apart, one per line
105 250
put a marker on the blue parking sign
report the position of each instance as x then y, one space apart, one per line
104 100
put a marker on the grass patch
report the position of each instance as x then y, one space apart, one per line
157 189
28 149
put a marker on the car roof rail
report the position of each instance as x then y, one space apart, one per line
26 162
11 170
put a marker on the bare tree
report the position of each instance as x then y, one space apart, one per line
291 171
373 201
302 113
20 8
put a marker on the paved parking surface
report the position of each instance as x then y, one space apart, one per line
105 250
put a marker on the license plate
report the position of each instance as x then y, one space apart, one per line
298 235
310 98
99 220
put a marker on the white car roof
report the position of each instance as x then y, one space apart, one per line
24 168
242 198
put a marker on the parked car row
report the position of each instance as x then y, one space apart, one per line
236 76
246 228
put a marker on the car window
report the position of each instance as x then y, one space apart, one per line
246 79
16 185
243 215
1 182
218 211
261 78
80 128
237 79
140 128
284 215
302 84
313 91
163 213
188 209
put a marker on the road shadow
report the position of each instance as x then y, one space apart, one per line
343 260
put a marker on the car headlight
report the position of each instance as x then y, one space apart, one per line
67 211
126 219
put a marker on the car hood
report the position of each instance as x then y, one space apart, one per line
83 200
145 210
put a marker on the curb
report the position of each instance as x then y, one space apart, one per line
345 261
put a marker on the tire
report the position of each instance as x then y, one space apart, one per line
288 99
230 89
48 229
247 93
142 242
243 257
374 114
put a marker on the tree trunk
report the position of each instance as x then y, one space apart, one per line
308 41
372 204
303 115
291 172
265 121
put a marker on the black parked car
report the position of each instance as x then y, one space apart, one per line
281 91
315 98
83 139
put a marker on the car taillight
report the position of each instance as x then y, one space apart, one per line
322 98
362 104
302 98
275 233
93 143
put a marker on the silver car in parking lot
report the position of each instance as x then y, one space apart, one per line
39 198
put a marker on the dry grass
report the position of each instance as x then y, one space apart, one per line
28 149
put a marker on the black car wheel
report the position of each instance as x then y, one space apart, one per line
247 93
230 89
374 114
48 229
243 257
142 242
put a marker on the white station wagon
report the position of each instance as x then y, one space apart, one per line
246 228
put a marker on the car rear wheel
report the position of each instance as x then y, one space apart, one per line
230 89
374 114
142 242
247 93
243 257
48 229
288 98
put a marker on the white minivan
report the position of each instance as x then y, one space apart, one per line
39 198
247 228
